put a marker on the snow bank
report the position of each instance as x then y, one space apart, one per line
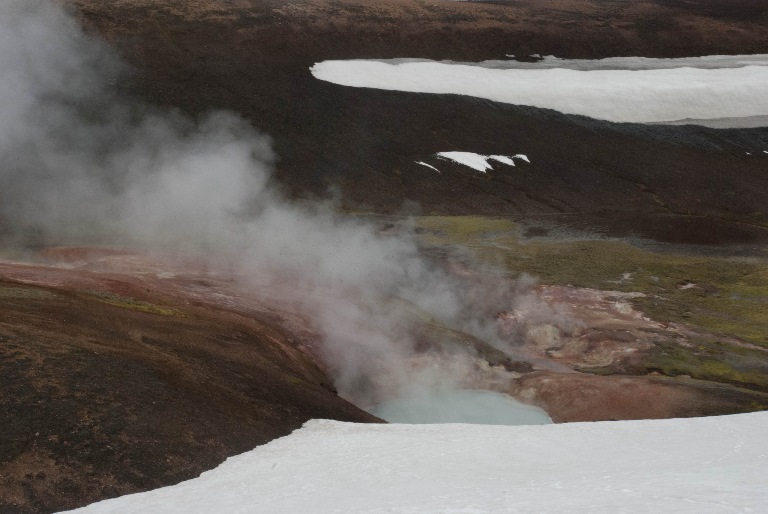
629 63
621 90
695 465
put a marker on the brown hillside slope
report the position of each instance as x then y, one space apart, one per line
116 382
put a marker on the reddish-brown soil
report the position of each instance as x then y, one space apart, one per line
120 372
580 397
614 339
112 383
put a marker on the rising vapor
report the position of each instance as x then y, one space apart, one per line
82 163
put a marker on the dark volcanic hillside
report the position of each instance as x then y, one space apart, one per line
682 184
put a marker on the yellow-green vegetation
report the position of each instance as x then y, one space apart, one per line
705 359
469 230
715 361
295 380
25 293
721 295
136 305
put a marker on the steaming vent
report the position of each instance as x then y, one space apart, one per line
83 164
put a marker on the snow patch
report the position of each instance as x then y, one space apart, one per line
503 159
694 90
480 162
475 161
427 165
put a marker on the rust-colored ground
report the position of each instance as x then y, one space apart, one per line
581 397
120 372
116 382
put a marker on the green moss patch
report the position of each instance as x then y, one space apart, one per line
136 305
711 360
717 294
25 293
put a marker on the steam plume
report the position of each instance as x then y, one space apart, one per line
80 163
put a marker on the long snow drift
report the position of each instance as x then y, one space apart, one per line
619 90
696 465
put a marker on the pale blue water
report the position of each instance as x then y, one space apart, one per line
461 406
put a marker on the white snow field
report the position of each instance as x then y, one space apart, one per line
695 465
695 90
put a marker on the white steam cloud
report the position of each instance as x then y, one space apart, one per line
79 163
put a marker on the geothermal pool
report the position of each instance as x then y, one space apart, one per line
461 406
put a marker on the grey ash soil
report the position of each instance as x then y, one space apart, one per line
106 395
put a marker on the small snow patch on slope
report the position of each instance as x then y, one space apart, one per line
480 162
503 159
427 165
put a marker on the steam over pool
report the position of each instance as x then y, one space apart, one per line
82 164
461 406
